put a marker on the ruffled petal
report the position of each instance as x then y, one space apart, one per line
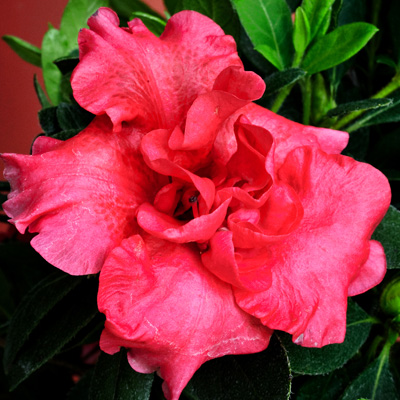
313 267
198 229
81 195
289 135
169 312
131 74
371 272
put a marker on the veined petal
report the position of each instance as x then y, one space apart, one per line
81 195
131 74
329 253
289 135
170 312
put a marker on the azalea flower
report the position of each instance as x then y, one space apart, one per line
213 221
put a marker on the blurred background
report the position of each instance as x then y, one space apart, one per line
19 105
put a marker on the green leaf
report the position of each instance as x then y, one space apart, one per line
337 46
269 26
311 361
63 319
394 25
359 105
174 6
387 233
220 11
6 301
281 79
71 116
28 52
318 13
32 309
75 17
301 31
382 115
114 379
67 64
125 8
264 375
54 46
375 383
154 24
44 102
48 120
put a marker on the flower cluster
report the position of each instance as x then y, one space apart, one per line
213 221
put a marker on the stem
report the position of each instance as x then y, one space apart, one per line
306 95
281 97
393 85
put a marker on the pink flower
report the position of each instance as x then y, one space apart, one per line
212 220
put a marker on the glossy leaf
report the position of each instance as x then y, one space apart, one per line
67 64
301 31
388 234
28 52
318 13
75 16
125 8
55 326
374 383
48 120
155 24
219 11
359 105
54 45
337 46
44 102
71 116
114 379
312 361
281 79
269 26
259 376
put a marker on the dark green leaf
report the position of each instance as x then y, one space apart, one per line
75 16
154 24
336 8
219 11
71 116
393 14
385 59
63 320
382 115
317 12
28 52
260 376
125 8
337 46
281 79
44 102
324 387
48 120
54 46
174 6
375 383
65 135
388 233
301 31
32 309
312 361
359 105
269 26
67 64
352 11
6 301
114 379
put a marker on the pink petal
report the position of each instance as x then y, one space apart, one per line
245 270
163 226
81 195
289 135
314 266
371 272
170 312
131 74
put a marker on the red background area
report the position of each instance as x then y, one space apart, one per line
27 19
